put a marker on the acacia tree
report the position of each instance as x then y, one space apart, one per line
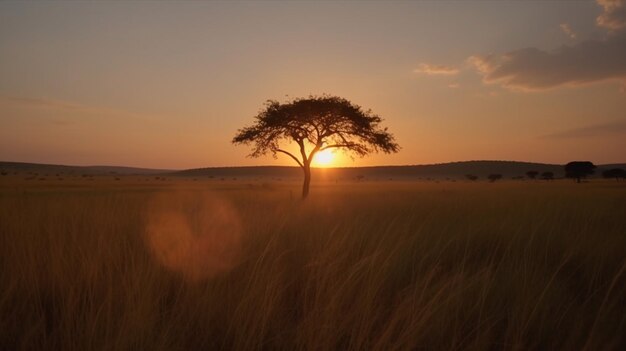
532 174
493 177
471 177
579 169
315 124
616 173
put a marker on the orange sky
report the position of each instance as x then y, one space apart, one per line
167 85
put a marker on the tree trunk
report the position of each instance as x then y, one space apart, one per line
307 180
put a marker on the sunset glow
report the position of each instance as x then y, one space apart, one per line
167 84
319 175
324 159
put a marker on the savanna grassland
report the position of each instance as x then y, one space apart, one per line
245 265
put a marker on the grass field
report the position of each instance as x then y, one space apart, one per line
187 265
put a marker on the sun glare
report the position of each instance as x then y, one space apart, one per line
324 158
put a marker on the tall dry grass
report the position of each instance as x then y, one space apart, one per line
389 266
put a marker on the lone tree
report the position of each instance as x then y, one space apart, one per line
532 174
547 176
316 123
579 169
471 177
493 177
616 173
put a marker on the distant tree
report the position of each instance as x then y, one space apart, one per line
471 177
617 173
547 176
493 177
532 174
579 169
319 123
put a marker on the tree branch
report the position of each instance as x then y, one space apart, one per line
335 146
290 155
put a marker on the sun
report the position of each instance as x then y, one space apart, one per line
324 158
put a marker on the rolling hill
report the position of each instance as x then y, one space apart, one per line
452 170
22 167
443 170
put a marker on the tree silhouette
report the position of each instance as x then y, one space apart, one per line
317 123
579 169
493 177
547 176
532 174
471 177
617 173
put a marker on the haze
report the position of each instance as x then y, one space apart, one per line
167 84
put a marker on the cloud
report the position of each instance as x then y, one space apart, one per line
534 69
596 130
48 105
568 30
585 62
613 16
434 69
52 104
39 103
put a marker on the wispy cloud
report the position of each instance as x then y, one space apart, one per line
585 62
434 69
613 16
39 103
596 130
534 69
568 30
53 104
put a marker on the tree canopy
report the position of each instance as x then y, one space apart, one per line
617 173
471 177
532 174
579 169
493 177
315 124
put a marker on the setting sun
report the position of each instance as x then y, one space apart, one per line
324 158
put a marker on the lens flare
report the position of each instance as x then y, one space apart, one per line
197 235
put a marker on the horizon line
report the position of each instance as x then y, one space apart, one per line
295 166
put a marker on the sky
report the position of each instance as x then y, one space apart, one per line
168 84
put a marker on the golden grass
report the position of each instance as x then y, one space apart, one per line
244 265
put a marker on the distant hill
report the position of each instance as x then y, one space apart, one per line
453 170
22 167
442 170
612 165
